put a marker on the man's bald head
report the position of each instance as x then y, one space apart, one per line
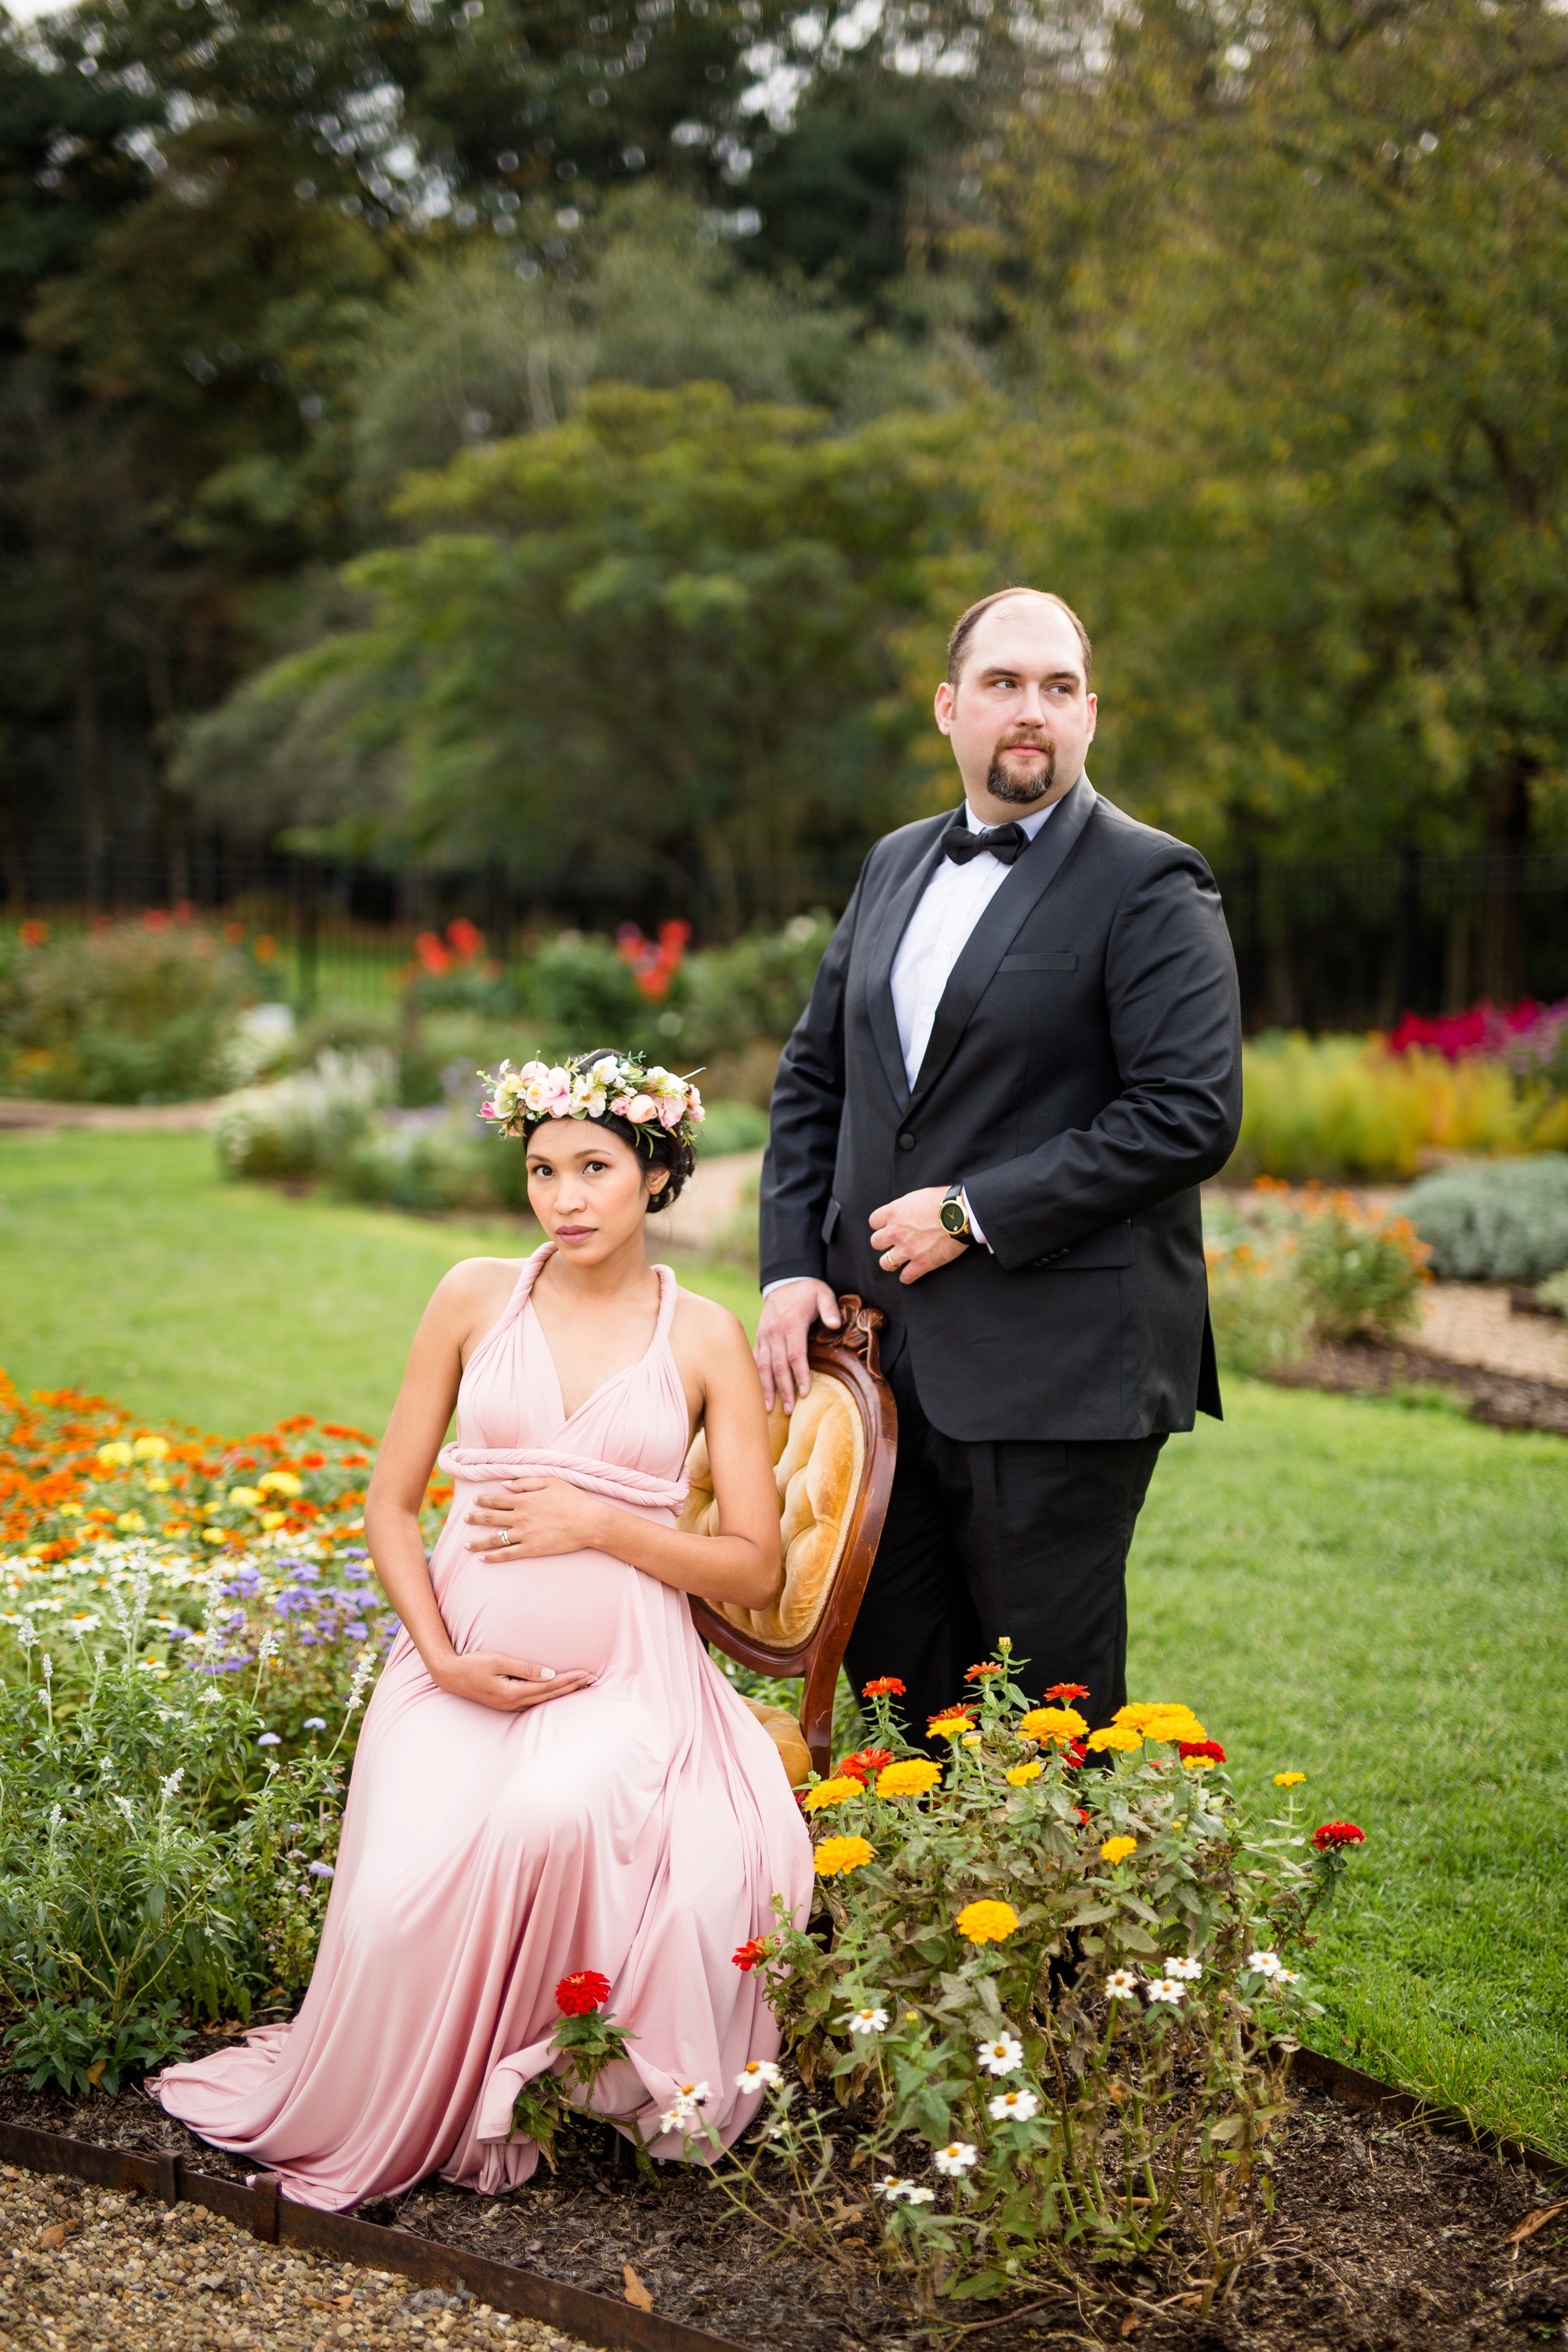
967 623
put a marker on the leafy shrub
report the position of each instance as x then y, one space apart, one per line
1337 1108
1050 2003
583 994
139 1011
425 1163
1553 1292
305 1124
1505 1222
732 1126
1288 1268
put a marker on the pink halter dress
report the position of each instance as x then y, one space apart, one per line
639 1827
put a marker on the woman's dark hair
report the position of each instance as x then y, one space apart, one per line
658 1145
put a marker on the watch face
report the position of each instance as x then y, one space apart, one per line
953 1216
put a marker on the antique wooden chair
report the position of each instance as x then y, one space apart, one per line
833 1459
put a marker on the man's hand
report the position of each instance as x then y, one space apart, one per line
783 1330
909 1237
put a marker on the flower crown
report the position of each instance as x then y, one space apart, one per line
622 1084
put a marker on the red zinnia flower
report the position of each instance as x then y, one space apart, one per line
750 1954
1075 1752
1064 1693
978 1674
885 1687
863 1763
582 1993
1332 1834
1210 1747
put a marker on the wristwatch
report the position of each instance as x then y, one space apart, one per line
954 1217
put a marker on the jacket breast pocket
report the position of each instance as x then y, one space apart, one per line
1042 959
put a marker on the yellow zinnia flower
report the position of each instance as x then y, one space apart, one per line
987 1923
836 1854
948 1725
1022 1774
1117 1736
247 1497
1289 1779
150 1449
912 1779
1164 1719
1117 1849
116 1456
282 1482
132 1521
1058 1723
831 1792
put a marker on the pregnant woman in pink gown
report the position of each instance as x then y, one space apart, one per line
552 1774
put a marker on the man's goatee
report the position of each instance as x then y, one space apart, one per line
1017 789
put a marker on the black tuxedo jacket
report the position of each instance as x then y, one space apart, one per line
1083 1076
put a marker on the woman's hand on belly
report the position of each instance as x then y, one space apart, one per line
539 1519
510 1685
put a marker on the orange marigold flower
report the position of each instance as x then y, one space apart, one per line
1064 1693
987 1923
835 1855
978 1674
885 1687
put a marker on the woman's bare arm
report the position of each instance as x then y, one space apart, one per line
467 1302
742 1562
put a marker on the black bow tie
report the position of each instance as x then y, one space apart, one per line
1005 842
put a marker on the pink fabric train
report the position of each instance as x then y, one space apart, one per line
639 1827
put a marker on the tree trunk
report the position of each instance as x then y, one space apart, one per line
1503 942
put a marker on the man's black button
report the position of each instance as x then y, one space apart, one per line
906 1143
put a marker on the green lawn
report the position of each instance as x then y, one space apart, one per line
1369 1592
129 1266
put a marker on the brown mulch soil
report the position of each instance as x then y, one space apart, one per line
1368 1368
1386 2237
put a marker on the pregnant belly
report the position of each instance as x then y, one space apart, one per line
563 1611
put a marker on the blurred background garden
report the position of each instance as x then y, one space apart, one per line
483 492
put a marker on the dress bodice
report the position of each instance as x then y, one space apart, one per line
510 1395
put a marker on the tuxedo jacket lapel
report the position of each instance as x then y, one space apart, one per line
1025 886
893 923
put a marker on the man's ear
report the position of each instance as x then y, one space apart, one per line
943 707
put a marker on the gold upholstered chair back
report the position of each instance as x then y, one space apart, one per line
832 1461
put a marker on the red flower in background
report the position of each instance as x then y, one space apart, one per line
1075 1752
758 1949
654 962
1064 1693
581 1993
1334 1833
885 1687
863 1763
1210 1747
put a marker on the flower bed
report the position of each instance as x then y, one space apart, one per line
189 1629
1288 1271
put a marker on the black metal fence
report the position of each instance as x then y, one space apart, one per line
1331 944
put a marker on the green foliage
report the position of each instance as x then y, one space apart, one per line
127 1015
77 2046
731 1127
1066 1982
738 569
1504 1222
303 1124
1284 1271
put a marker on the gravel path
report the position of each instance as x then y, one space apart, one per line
1473 1323
98 2272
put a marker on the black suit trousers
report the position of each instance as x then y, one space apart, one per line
1027 1537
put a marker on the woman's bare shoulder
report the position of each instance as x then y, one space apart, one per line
476 1285
708 1329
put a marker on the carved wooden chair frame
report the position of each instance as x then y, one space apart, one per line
850 1354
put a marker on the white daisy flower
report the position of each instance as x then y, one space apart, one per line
1288 1976
1166 1989
1013 2106
1121 1985
758 2075
894 2188
956 2158
1002 2056
868 2020
1265 1964
921 2197
1185 1972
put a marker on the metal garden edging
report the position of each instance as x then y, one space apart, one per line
593 2319
275 2220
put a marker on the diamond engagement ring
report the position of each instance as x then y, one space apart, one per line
506 1535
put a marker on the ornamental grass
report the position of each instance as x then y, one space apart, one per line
1043 2014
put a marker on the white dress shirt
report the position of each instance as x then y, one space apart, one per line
950 906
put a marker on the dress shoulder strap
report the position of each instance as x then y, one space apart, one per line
668 1291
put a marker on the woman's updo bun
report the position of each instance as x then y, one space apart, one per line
657 1146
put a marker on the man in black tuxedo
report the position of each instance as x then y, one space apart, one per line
1021 1057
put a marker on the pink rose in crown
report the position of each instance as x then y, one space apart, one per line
621 1105
671 1111
640 1109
